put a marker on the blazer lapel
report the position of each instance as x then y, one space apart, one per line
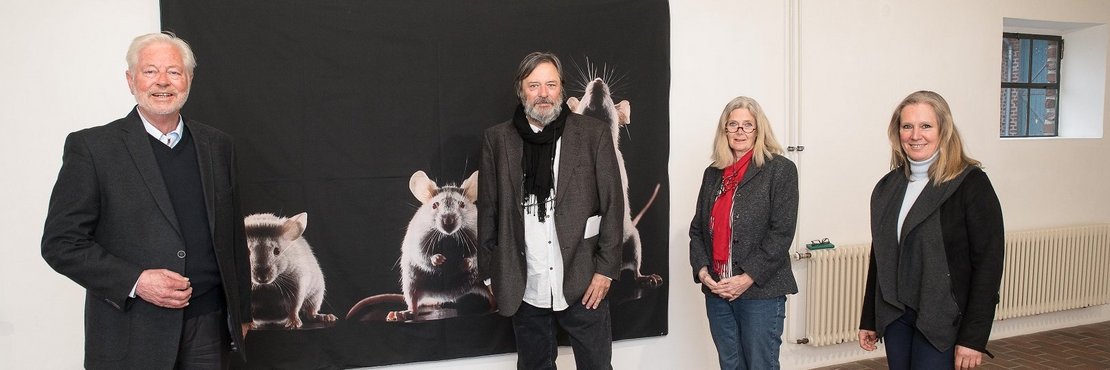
206 166
139 146
514 151
930 199
749 174
887 221
569 150
514 148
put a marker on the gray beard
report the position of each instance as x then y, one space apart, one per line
543 119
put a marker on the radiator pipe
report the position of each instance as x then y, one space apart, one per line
800 255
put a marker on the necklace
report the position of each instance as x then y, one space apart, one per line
728 181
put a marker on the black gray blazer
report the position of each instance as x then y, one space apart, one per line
110 218
765 212
971 235
589 184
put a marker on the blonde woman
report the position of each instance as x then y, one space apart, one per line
741 235
936 245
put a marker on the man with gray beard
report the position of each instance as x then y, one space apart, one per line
550 219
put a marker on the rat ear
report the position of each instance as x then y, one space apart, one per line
294 227
422 187
470 187
572 103
624 110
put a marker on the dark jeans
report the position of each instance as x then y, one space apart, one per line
907 348
205 343
590 334
747 332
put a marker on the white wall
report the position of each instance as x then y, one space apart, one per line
62 70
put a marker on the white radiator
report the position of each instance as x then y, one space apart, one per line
1055 270
834 293
1045 271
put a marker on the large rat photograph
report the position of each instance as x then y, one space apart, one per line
371 121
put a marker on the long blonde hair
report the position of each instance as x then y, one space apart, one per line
952 159
765 145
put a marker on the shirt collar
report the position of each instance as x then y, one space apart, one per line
173 136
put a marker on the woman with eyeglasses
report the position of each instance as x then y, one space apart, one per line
936 245
741 235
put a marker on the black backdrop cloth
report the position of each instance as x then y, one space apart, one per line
334 104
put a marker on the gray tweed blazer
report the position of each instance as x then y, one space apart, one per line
589 184
765 211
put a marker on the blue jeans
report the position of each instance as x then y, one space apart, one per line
907 348
747 332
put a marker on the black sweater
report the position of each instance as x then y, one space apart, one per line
182 176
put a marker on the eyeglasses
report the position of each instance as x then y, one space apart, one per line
733 126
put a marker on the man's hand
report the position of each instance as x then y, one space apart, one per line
967 358
731 288
599 286
246 326
867 339
164 288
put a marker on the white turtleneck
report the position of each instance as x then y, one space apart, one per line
919 177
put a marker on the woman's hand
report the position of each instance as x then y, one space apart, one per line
707 280
967 358
867 340
731 288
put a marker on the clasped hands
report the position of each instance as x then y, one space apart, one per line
728 288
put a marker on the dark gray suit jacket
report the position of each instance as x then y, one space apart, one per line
589 184
765 212
110 218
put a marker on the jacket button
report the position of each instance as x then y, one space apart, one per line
180 254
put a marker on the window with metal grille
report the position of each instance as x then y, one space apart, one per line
1030 85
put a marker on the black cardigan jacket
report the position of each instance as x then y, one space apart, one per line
973 234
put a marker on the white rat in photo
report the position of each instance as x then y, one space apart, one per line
286 281
439 255
597 102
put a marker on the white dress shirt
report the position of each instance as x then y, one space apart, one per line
544 287
171 139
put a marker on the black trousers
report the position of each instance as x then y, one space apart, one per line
590 333
205 343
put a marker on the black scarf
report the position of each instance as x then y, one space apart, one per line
539 155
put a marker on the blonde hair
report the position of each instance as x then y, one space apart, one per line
952 159
765 146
